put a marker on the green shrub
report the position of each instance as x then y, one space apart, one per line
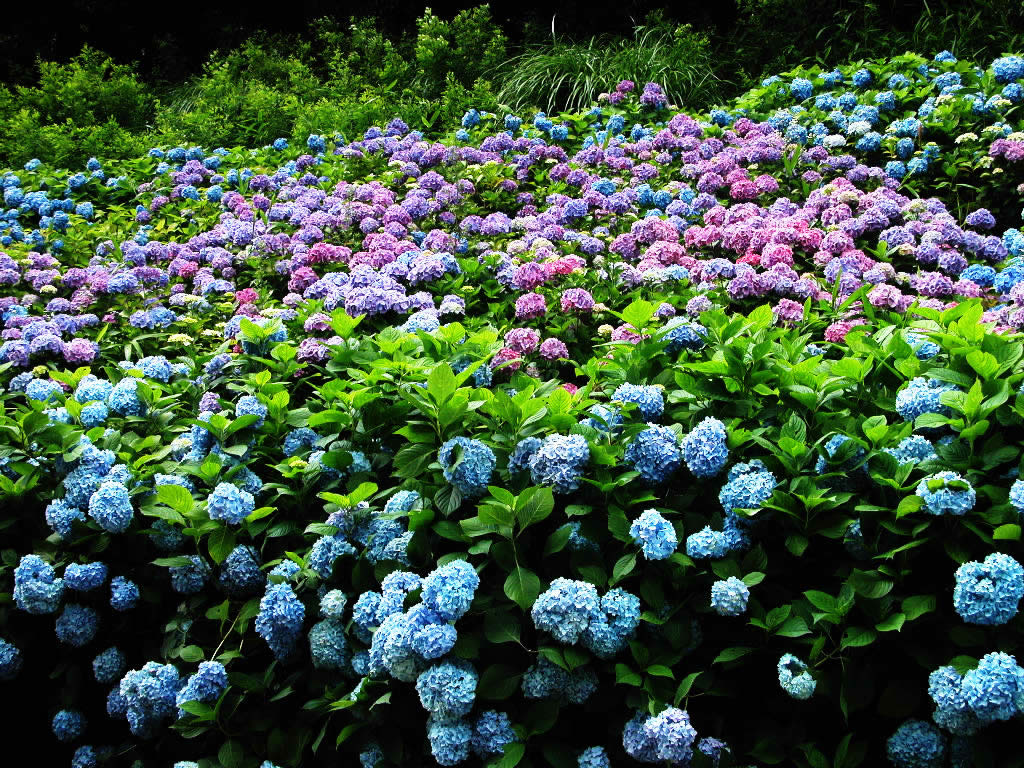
568 75
88 106
468 46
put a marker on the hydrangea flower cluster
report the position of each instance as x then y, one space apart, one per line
795 679
655 534
729 596
655 454
946 493
705 448
988 592
471 471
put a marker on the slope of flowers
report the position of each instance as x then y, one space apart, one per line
605 437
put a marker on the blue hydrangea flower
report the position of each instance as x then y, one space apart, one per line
190 579
831 447
371 756
707 543
448 689
794 678
987 593
705 448
68 725
593 757
10 660
994 688
449 739
77 625
545 680
325 551
109 666
519 460
947 500
1017 495
472 472
801 88
36 590
748 487
250 405
240 573
149 697
327 645
610 630
559 462
665 737
230 504
124 398
648 399
565 609
655 454
607 419
492 732
92 388
434 640
449 590
298 440
729 596
84 577
279 621
205 686
922 395
654 534
332 604
913 449
111 507
42 390
84 757
917 744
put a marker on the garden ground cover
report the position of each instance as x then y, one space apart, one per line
701 431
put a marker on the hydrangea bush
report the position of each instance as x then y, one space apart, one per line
573 440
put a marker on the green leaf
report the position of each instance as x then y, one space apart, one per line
917 606
793 627
856 637
191 654
177 498
522 587
220 543
796 543
821 600
660 670
984 364
626 676
501 627
497 682
231 754
638 313
557 540
533 505
753 579
1008 532
684 687
441 383
731 654
908 505
894 622
623 567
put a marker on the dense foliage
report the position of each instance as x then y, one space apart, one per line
224 86
618 435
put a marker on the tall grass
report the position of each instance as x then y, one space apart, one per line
566 75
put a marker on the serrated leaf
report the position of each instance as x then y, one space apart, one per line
522 587
731 654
